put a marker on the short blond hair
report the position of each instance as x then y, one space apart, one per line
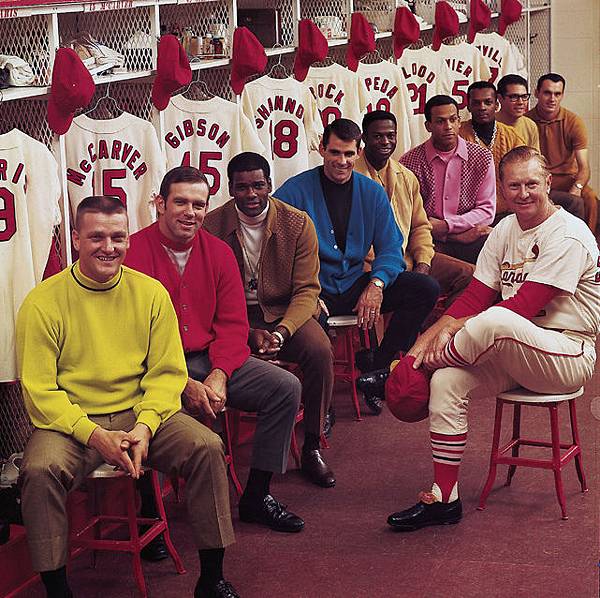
522 154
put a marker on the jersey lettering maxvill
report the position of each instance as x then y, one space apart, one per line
501 55
29 210
467 65
207 134
285 116
425 75
119 157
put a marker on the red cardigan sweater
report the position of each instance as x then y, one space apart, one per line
208 298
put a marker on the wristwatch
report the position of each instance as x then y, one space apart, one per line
378 283
278 336
579 186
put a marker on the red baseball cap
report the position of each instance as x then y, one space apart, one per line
406 30
312 47
407 391
248 58
446 23
362 40
172 70
481 17
72 88
510 12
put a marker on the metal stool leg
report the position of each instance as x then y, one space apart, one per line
516 434
349 351
226 423
134 537
493 456
556 465
578 456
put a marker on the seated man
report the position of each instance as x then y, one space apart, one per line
402 189
564 144
201 275
483 129
102 371
352 214
278 257
542 263
457 180
513 95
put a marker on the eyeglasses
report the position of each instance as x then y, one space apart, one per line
515 97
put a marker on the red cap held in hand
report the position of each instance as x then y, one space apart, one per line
407 391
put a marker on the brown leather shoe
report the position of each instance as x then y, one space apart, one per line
316 470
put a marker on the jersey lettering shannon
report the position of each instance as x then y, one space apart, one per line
467 65
207 134
425 75
29 211
384 83
285 117
501 55
119 157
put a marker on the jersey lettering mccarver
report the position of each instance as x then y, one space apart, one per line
199 128
115 150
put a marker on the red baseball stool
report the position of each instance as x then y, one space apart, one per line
104 475
520 398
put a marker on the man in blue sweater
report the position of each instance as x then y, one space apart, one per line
352 214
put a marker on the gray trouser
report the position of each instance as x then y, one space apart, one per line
271 392
55 464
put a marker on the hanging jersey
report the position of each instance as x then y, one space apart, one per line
29 210
385 85
207 134
425 75
285 116
501 55
119 157
467 65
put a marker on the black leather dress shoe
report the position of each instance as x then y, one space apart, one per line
271 513
373 382
316 470
222 589
328 423
155 551
365 360
424 513
374 403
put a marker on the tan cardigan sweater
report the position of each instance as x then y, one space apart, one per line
288 270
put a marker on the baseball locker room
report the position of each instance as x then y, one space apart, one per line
104 98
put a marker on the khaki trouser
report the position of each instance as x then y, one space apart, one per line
54 464
506 351
454 275
563 182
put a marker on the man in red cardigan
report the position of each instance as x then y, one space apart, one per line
201 275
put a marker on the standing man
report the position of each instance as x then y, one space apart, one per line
277 252
402 189
102 370
351 214
201 275
457 180
483 129
542 263
564 144
513 95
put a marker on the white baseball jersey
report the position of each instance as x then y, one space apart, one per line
467 65
119 157
285 116
385 84
207 134
29 210
501 55
560 252
425 75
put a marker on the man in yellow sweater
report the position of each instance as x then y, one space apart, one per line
102 370
402 189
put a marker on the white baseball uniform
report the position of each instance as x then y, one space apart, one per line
501 55
119 157
553 352
385 84
467 65
425 75
284 113
207 134
29 210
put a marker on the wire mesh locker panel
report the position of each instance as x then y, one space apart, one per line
134 97
330 16
27 115
539 45
426 9
15 426
283 14
128 32
380 13
27 38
